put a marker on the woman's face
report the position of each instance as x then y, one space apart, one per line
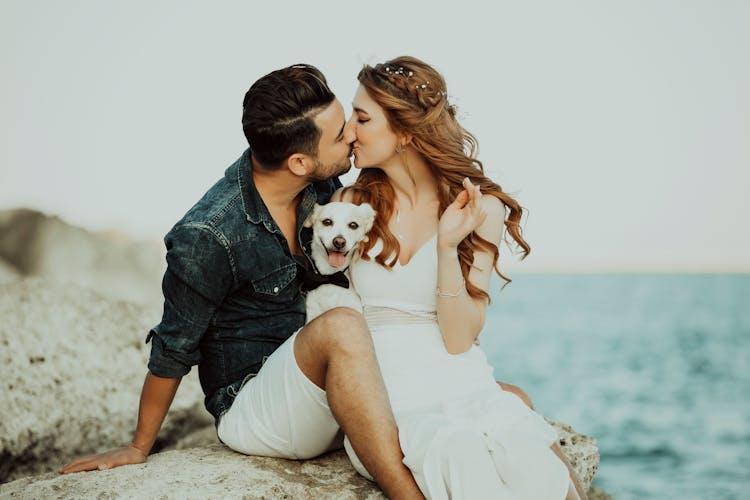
375 143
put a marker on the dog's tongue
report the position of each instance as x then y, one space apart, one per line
336 259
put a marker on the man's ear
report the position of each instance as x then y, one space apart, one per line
311 218
368 216
299 164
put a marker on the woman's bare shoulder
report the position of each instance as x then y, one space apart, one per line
492 227
494 207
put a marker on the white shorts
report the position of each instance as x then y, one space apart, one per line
280 412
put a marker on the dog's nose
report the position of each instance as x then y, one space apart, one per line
339 242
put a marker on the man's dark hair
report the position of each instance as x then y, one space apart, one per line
278 113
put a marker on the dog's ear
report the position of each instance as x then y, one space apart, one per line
368 216
311 218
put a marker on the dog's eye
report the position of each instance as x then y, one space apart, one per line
353 225
327 222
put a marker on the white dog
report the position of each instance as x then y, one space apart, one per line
338 230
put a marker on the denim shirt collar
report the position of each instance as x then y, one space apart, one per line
253 205
257 212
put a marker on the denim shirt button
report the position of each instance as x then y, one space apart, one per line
275 289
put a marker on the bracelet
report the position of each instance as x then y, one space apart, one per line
458 292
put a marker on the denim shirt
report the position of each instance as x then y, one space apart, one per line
231 290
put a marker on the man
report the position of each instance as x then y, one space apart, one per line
233 304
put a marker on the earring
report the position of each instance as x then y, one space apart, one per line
400 150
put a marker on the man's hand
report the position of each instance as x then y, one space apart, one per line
114 458
156 397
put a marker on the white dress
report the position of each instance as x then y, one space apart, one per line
461 435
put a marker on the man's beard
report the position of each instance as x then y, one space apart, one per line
323 172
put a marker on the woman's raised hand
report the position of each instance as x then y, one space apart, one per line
461 217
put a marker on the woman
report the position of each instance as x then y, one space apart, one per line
424 280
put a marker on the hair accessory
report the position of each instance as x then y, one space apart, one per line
397 71
408 74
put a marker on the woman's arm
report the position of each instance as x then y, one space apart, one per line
461 317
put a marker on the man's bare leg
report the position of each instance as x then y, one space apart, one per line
335 351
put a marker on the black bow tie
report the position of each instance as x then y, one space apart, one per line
312 280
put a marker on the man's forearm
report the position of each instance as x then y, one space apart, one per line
156 398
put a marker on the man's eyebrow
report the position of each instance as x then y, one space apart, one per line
341 132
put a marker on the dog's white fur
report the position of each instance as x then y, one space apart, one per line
336 221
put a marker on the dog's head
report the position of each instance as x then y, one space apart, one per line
338 229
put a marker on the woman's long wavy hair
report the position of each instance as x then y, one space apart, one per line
415 100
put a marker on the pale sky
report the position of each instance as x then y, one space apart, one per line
624 127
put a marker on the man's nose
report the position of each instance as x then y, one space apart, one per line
339 242
350 130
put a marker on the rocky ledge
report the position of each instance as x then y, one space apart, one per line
213 471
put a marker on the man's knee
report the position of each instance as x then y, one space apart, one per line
518 392
335 333
339 328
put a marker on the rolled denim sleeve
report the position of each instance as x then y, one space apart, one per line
199 276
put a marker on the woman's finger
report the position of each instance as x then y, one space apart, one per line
477 196
474 192
461 199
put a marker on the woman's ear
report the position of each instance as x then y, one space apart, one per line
404 140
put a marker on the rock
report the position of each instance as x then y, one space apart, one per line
8 273
72 364
35 244
595 493
214 471
203 436
209 472
580 450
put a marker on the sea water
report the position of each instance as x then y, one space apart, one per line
655 367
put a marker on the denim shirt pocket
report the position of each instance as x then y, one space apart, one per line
275 282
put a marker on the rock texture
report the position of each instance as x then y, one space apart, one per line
580 450
35 244
216 472
7 272
72 364
209 472
595 493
